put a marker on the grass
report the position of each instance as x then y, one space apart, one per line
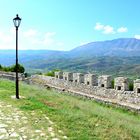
79 118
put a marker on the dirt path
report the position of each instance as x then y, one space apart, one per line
16 125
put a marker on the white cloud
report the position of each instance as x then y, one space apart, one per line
30 39
60 44
99 26
122 29
137 36
6 38
30 33
50 34
49 38
108 29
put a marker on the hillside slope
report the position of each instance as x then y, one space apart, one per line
119 56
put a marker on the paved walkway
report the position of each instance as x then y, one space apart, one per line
16 125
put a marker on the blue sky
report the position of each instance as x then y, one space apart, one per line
66 24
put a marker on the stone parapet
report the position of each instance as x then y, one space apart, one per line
78 77
105 81
137 86
123 98
91 79
68 76
121 83
59 74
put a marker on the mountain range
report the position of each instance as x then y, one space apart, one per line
102 56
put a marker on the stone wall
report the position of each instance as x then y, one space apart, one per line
91 79
119 97
78 78
11 75
121 83
137 86
105 81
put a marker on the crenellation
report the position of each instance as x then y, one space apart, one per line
91 79
121 83
68 76
121 97
137 86
78 78
90 85
105 81
59 74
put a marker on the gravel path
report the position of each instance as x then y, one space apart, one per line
17 125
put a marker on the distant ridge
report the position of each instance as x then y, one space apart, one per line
112 56
116 47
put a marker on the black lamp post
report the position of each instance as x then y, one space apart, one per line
17 21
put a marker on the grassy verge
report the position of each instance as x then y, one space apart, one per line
80 119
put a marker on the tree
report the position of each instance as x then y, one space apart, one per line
52 72
21 69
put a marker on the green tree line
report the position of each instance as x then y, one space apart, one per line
12 68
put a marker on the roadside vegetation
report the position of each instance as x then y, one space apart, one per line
77 117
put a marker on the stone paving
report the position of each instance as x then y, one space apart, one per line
18 125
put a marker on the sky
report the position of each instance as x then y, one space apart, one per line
66 24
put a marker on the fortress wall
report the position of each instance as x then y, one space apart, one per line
128 98
11 75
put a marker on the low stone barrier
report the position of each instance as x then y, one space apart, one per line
11 75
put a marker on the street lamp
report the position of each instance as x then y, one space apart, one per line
17 21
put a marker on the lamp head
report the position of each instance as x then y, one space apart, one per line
17 21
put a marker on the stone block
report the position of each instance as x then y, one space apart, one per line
68 76
78 77
137 86
121 83
59 74
105 81
91 79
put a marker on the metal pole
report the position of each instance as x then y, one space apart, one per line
17 84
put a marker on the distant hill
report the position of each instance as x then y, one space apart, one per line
119 56
116 47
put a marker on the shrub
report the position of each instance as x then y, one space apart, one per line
52 73
131 86
112 83
21 69
12 68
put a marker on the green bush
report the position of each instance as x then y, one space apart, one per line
131 86
112 83
52 73
12 68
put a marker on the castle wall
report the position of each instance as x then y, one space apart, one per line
105 81
11 75
68 76
59 74
123 98
91 79
121 83
78 77
137 86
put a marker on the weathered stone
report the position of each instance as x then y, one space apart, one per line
11 75
137 86
78 77
105 81
68 76
121 83
123 98
91 79
59 74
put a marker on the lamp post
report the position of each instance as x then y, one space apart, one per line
17 21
